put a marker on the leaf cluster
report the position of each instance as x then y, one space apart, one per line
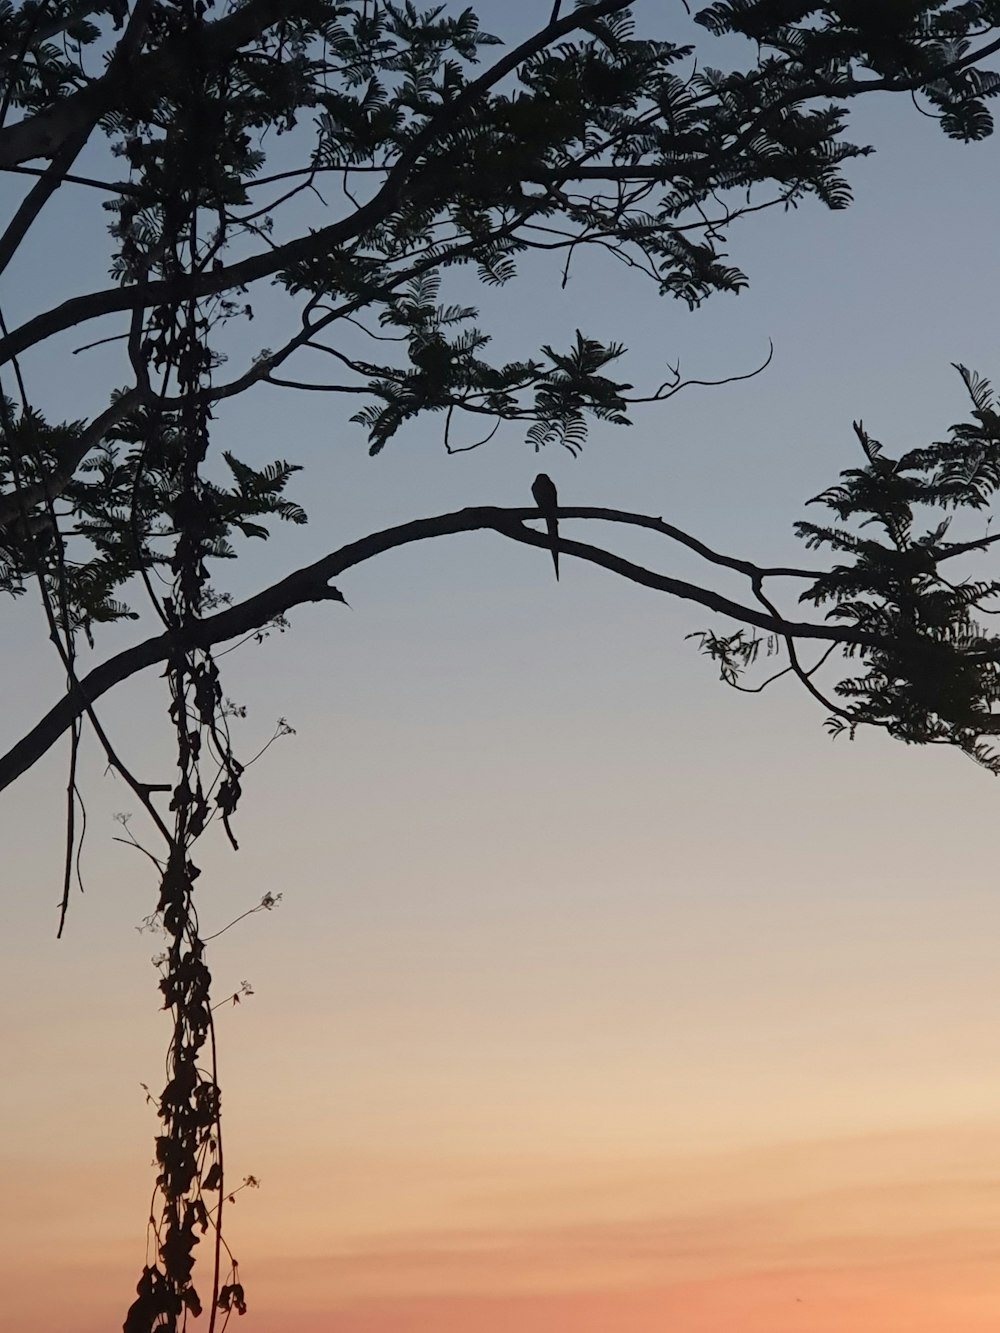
934 675
895 39
121 511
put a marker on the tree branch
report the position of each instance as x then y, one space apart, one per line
40 194
52 128
43 134
268 262
312 584
71 147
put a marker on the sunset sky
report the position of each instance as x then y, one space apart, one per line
600 999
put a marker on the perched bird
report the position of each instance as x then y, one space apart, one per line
543 489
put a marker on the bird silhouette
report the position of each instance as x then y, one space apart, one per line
543 489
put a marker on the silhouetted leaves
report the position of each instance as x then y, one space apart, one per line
231 1298
935 675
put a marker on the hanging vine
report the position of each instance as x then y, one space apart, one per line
174 345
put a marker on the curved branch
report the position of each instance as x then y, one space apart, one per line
673 386
312 584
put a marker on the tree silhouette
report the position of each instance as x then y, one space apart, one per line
371 158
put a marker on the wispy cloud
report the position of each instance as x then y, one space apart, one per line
916 1203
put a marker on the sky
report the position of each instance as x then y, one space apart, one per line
599 997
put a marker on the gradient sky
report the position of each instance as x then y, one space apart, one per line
599 997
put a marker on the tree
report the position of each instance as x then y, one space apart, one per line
580 137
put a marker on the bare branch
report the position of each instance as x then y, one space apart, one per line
312 584
69 150
675 384
106 187
39 195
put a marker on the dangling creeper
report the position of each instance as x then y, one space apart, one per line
543 489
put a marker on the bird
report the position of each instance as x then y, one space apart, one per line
543 490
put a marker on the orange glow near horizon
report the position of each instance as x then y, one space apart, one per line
879 1234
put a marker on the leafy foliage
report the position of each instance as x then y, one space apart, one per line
588 136
932 672
121 511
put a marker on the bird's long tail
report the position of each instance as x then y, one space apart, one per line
552 525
